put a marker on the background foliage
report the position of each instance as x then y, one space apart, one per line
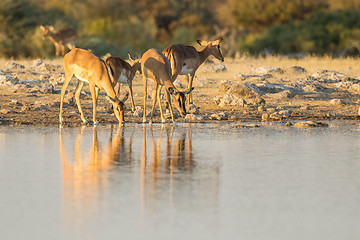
118 26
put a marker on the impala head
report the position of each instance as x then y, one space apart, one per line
46 30
136 63
119 107
214 47
179 99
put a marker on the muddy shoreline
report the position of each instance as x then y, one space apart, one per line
230 92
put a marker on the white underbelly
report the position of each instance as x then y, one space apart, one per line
185 70
82 79
123 80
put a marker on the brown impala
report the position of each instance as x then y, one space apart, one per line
90 69
155 66
65 37
123 73
185 60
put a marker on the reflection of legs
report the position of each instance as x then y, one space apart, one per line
145 96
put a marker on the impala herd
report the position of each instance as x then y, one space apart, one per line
160 67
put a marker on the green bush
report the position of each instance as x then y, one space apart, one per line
324 32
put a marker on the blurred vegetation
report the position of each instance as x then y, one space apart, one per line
117 26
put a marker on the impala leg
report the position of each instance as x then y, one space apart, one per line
62 49
154 101
170 106
145 95
56 49
132 97
159 100
77 99
63 90
117 90
94 93
190 86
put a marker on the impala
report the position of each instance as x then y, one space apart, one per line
123 73
65 37
185 60
91 69
155 66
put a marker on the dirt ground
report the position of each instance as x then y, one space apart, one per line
325 89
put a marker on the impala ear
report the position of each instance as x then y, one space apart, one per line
51 28
202 42
42 27
131 57
189 91
217 42
125 97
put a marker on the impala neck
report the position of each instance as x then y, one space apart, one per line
109 90
168 84
204 54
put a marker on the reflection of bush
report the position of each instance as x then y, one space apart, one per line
325 32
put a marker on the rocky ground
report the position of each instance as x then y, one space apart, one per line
290 91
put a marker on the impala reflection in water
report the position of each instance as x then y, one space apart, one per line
148 169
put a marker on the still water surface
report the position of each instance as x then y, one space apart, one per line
200 181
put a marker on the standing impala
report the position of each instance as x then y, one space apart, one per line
185 60
91 69
123 73
155 66
65 37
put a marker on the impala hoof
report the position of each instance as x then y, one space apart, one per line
96 123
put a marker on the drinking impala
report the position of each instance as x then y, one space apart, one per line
92 70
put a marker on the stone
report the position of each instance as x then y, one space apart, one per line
306 124
44 77
190 117
340 102
247 126
14 65
219 116
192 109
8 79
216 68
265 117
139 111
240 76
329 76
355 87
261 108
281 95
295 70
5 111
37 62
239 89
268 70
229 100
